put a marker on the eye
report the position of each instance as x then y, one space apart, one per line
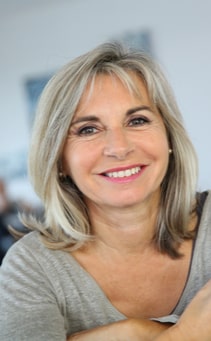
88 130
138 121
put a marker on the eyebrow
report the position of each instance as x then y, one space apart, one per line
94 118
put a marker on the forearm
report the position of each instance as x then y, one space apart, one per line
172 334
194 323
131 329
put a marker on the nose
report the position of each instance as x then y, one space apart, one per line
118 144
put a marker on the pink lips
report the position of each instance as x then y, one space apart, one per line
123 174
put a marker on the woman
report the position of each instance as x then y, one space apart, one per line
117 254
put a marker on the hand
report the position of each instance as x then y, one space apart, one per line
126 330
195 323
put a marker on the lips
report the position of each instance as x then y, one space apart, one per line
123 173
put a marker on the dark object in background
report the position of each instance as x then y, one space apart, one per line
6 239
9 217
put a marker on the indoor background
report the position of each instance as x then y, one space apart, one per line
39 36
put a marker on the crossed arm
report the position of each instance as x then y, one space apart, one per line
193 325
126 330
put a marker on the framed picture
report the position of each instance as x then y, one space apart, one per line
33 88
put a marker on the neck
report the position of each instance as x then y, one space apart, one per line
126 230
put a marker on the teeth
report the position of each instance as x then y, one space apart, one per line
125 173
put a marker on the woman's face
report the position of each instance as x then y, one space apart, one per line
117 148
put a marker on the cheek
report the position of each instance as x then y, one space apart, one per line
67 159
156 145
69 155
75 161
161 140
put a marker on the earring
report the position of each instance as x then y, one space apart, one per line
170 151
61 174
65 179
62 177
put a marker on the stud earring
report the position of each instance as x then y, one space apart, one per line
65 179
170 151
62 177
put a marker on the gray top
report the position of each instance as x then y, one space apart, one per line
46 295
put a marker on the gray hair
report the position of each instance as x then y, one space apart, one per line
66 222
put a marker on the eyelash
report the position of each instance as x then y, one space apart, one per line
139 121
86 131
91 130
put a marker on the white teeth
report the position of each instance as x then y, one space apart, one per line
125 173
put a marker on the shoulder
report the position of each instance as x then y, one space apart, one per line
31 269
208 198
29 244
32 244
202 246
29 258
205 210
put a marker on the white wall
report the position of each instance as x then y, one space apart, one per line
43 36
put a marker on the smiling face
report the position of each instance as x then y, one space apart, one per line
117 150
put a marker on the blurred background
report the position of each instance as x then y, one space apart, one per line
39 36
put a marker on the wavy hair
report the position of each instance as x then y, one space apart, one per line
66 221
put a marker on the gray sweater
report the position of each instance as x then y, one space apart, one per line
46 295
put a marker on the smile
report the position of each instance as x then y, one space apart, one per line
124 173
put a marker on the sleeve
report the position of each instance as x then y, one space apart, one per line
29 308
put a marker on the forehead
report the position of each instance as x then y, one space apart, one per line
100 84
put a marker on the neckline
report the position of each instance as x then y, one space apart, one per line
98 291
201 214
95 286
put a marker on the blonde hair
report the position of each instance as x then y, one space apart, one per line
66 221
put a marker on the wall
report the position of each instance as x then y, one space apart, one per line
43 36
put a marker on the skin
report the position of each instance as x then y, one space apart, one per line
132 329
115 131
114 134
194 325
